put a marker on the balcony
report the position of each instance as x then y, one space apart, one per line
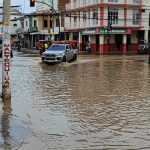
94 3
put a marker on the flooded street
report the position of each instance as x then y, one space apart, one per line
98 102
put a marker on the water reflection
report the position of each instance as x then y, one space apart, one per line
98 102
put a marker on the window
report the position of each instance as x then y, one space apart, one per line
35 23
26 23
135 17
95 1
75 21
57 22
113 15
95 17
84 18
15 24
136 1
149 19
74 3
51 23
84 2
45 23
112 0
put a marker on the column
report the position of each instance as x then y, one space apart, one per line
146 36
101 41
80 41
124 44
48 21
71 36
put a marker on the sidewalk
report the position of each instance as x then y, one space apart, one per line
29 51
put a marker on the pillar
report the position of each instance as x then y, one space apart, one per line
101 41
48 21
146 36
80 41
124 44
71 36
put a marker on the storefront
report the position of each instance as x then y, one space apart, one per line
118 40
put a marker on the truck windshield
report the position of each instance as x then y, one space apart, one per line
56 47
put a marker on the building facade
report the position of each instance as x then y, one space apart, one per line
112 26
144 33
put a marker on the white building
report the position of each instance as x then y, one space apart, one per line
110 25
144 33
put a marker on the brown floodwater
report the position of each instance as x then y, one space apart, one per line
98 102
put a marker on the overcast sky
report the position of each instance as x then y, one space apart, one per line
24 3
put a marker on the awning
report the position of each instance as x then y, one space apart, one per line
39 33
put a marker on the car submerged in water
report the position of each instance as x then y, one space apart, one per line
59 53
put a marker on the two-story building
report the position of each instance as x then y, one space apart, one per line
110 25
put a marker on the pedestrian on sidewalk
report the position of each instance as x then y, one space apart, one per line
44 47
88 47
19 46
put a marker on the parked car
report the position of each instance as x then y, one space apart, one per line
11 53
144 48
59 53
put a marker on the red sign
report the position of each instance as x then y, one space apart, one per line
128 31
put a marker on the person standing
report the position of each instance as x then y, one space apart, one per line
88 46
46 45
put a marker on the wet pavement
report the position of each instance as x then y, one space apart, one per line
98 102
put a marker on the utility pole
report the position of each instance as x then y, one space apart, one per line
6 92
53 21
108 36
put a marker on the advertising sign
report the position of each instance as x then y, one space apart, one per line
90 31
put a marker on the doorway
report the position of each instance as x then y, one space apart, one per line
97 43
118 40
128 42
85 38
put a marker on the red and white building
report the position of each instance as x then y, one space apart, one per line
89 20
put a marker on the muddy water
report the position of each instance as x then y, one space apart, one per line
98 102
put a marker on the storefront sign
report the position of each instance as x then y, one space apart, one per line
6 46
103 31
90 31
113 31
117 31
